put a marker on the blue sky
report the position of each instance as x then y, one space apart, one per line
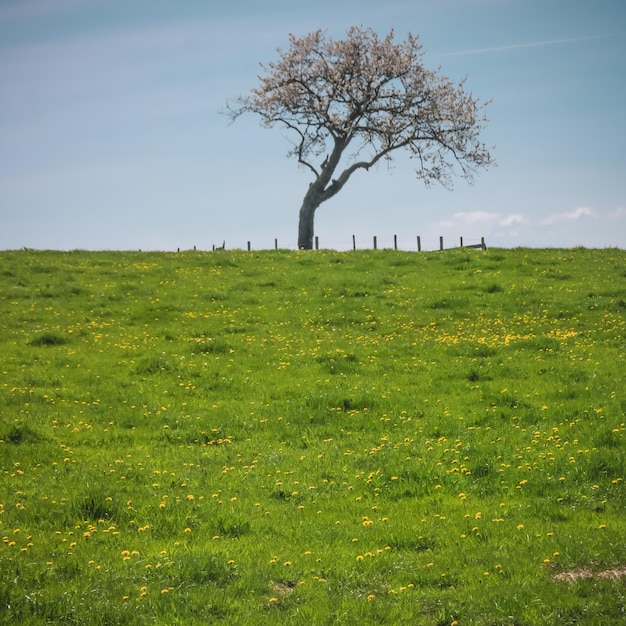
112 134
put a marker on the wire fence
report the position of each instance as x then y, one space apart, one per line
374 244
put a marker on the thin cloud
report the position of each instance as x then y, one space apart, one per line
116 61
619 214
514 218
489 219
519 46
576 214
37 8
486 217
475 216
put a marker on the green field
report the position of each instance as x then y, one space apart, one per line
281 437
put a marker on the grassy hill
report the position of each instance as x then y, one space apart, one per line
313 437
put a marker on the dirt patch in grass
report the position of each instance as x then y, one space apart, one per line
285 587
581 573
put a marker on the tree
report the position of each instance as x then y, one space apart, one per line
350 103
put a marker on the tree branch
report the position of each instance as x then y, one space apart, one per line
337 184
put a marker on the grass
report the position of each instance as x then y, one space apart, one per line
313 437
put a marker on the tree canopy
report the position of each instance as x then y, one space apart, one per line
349 103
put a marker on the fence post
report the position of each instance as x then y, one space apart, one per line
395 242
482 241
248 246
440 243
375 246
317 242
275 244
353 242
419 243
461 242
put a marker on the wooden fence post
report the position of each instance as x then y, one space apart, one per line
483 244
248 246
395 242
440 243
461 242
375 246
419 243
317 242
353 242
275 244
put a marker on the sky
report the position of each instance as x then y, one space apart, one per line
113 134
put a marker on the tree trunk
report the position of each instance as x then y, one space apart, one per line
318 193
307 215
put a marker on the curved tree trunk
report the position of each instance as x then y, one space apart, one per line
307 216
319 191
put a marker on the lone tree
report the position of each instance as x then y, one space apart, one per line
350 103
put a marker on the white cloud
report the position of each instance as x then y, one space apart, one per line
475 216
514 218
576 214
486 219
